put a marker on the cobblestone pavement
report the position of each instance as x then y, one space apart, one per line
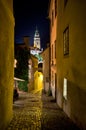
36 112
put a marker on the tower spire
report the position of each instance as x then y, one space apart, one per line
36 27
37 39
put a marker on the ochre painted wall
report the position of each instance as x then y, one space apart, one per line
73 66
38 81
53 30
46 69
6 62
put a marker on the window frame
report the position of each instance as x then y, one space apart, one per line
55 48
66 41
52 17
65 88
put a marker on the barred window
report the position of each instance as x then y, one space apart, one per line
66 41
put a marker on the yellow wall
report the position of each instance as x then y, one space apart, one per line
6 62
38 81
72 67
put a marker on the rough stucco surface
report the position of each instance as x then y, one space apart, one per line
45 56
73 66
6 62
53 49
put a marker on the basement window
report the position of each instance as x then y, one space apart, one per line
65 89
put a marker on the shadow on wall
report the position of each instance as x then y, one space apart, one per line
75 105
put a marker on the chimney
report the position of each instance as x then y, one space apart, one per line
26 41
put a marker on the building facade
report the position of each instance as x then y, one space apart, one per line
53 26
33 67
46 69
71 63
35 76
36 80
6 62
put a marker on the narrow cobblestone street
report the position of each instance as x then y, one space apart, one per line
38 112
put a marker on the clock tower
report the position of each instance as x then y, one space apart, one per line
37 39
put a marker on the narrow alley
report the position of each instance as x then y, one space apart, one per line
38 112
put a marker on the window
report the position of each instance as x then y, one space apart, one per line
47 79
65 89
55 8
66 41
52 51
65 2
52 80
52 17
55 48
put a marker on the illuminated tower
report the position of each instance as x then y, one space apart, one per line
37 39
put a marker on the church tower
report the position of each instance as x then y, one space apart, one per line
37 39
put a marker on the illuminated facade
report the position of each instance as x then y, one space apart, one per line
35 77
33 67
37 39
6 62
35 59
46 69
36 49
38 81
70 59
53 26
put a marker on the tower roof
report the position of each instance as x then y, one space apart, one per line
36 33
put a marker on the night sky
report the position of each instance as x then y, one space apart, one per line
29 14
